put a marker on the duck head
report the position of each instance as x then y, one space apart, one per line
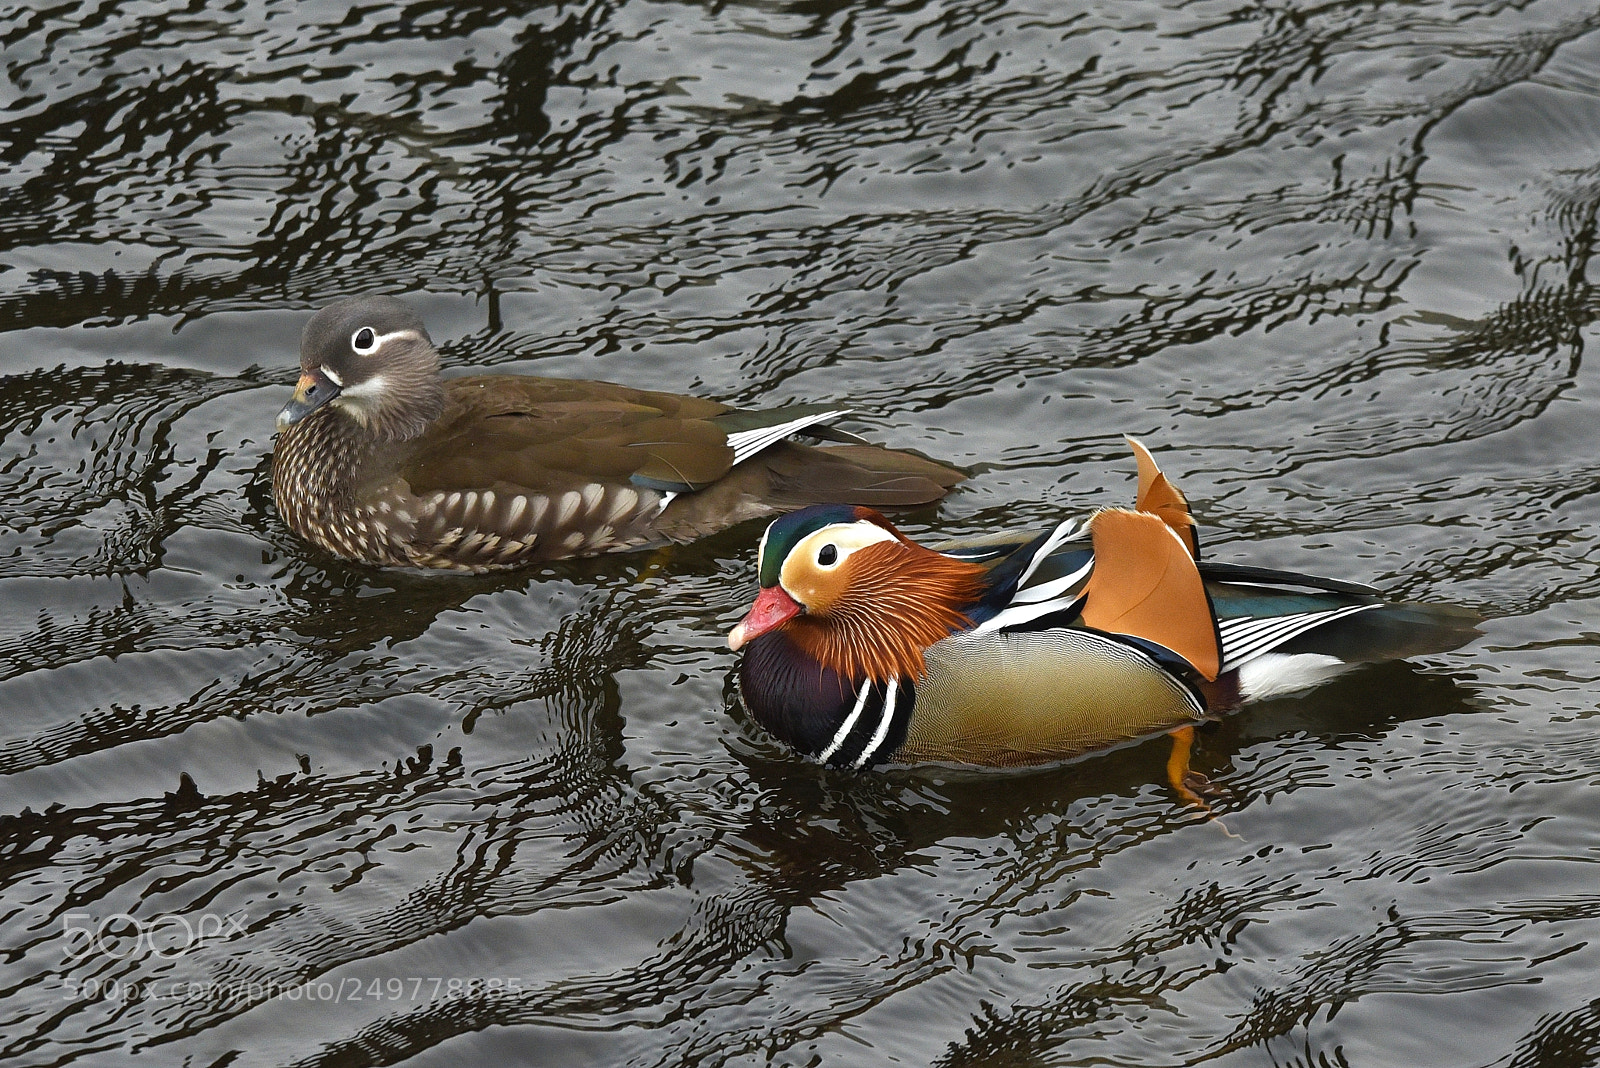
854 594
371 360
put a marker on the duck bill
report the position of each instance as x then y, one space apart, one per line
312 391
773 608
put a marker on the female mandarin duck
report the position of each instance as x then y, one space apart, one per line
381 461
863 647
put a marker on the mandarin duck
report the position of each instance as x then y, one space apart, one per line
865 648
381 461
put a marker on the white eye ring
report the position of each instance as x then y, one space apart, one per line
371 338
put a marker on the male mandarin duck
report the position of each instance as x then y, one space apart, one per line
381 461
865 648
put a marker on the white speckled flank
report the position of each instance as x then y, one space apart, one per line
478 529
568 507
624 499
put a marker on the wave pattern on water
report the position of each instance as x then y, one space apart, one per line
1332 261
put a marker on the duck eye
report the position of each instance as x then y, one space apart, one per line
364 341
828 555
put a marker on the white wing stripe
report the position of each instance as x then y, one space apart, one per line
1053 588
1247 628
1246 639
1017 615
883 724
1240 629
1251 629
1065 531
1237 649
1250 637
746 443
849 722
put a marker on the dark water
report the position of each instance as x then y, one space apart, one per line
1332 261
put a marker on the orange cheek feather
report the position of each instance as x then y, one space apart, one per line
897 599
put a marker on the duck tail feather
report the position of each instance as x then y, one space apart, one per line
869 475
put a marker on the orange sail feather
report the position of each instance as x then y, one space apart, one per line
1145 584
1162 499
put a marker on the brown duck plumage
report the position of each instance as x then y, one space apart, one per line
381 461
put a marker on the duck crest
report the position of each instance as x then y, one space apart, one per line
900 599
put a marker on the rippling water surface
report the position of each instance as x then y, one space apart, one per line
1332 261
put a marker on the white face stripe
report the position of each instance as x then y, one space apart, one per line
371 389
331 375
761 547
380 340
846 538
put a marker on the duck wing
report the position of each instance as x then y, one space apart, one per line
545 436
1260 611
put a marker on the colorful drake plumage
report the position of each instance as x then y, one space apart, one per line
381 461
864 647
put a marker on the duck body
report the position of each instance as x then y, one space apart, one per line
381 461
864 648
994 699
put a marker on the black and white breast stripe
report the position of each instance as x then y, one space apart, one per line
1247 637
875 726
